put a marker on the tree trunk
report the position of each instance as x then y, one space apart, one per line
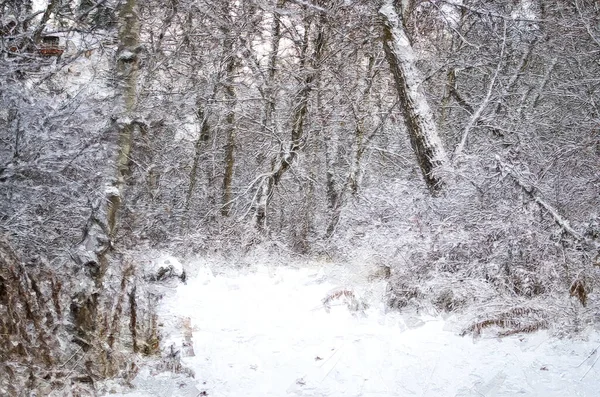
288 154
352 182
127 66
269 112
37 34
230 63
230 133
100 233
418 117
330 140
224 78
202 114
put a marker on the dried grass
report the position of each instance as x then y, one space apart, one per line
579 290
514 321
347 297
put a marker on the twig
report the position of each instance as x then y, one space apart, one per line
310 5
530 190
587 26
70 358
589 355
72 370
477 115
509 18
590 368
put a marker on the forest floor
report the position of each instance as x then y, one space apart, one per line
323 330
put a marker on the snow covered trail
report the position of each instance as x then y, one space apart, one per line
266 332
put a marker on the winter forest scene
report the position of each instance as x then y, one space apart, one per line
259 198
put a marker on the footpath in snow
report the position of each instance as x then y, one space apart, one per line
267 332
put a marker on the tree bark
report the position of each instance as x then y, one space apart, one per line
202 114
230 132
269 112
100 233
288 153
336 200
426 143
37 34
223 80
127 66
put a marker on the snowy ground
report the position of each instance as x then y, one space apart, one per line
266 332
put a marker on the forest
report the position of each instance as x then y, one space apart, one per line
455 144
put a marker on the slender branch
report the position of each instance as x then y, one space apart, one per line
509 169
40 29
477 115
489 13
587 26
89 10
310 5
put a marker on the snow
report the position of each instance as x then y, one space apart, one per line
127 56
165 266
111 191
39 5
264 331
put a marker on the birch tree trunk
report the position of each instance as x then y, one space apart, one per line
127 66
100 233
424 138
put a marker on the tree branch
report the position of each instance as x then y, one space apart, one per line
477 115
509 169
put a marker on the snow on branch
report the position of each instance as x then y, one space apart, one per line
310 5
477 115
509 169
